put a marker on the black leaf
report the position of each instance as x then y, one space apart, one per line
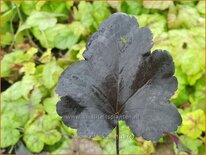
120 79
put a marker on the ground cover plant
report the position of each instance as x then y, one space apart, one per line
40 39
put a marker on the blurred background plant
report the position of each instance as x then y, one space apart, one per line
39 39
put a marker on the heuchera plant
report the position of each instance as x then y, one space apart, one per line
120 79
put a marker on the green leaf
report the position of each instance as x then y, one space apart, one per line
69 4
107 144
187 3
16 59
50 106
6 33
199 37
78 28
6 38
131 150
130 7
183 19
193 124
63 148
46 56
51 73
150 20
54 7
84 13
74 54
99 17
127 138
42 20
89 16
8 61
187 64
29 68
181 96
39 5
81 50
9 137
21 28
148 147
50 137
129 144
8 15
40 131
36 96
60 36
28 6
65 39
33 143
12 93
190 52
192 144
68 130
9 132
17 112
4 6
198 97
21 88
161 5
201 7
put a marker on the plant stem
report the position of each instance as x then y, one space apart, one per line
32 42
117 138
11 149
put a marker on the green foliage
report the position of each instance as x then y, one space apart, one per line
41 20
10 133
39 39
41 130
193 124
193 144
131 7
160 6
15 60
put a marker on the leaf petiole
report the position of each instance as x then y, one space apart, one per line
117 138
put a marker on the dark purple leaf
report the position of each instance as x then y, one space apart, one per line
120 79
